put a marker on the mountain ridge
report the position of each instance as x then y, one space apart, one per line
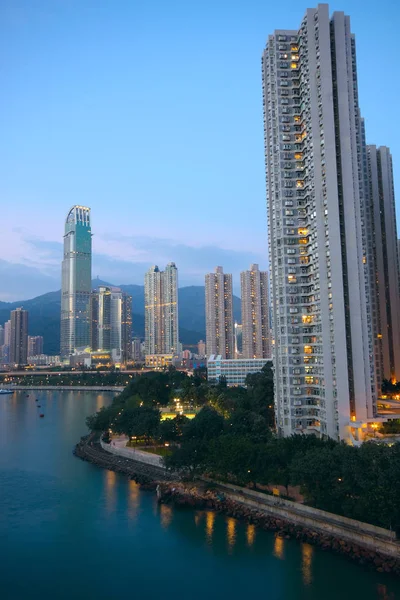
44 313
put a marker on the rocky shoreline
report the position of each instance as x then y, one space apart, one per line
183 496
203 497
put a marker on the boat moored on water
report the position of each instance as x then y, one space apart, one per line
4 392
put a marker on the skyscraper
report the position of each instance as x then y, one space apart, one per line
35 345
161 310
121 326
76 281
323 352
100 322
111 323
170 308
5 353
219 314
384 235
19 337
255 313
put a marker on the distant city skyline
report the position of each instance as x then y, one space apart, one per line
50 103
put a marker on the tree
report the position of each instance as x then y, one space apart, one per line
249 424
102 420
261 393
139 422
188 460
170 430
206 425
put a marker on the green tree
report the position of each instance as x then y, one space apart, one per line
188 460
206 425
140 422
260 388
101 421
170 430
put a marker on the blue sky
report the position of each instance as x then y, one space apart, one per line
150 113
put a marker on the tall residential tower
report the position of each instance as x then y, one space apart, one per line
76 281
111 323
219 314
323 352
387 316
255 314
19 337
161 310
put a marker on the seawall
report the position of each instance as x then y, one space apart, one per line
384 559
361 542
89 449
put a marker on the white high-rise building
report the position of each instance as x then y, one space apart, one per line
161 311
35 345
111 323
219 314
323 345
386 262
255 314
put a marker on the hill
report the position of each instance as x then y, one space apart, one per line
44 314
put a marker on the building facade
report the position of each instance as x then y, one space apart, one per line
219 314
100 319
201 349
121 326
19 337
255 314
35 345
234 371
323 346
385 261
5 349
111 323
161 311
76 281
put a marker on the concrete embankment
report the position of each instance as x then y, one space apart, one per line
361 542
89 449
214 499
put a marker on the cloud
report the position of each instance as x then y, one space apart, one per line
21 282
193 262
120 260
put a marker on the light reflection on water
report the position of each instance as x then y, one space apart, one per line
210 520
166 515
110 480
133 500
307 552
279 547
231 532
250 534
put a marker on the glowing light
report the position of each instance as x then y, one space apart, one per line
210 520
307 555
231 532
278 547
250 534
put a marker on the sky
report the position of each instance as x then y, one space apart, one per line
150 112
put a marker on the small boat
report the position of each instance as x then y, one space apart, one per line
41 415
37 400
38 405
3 392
